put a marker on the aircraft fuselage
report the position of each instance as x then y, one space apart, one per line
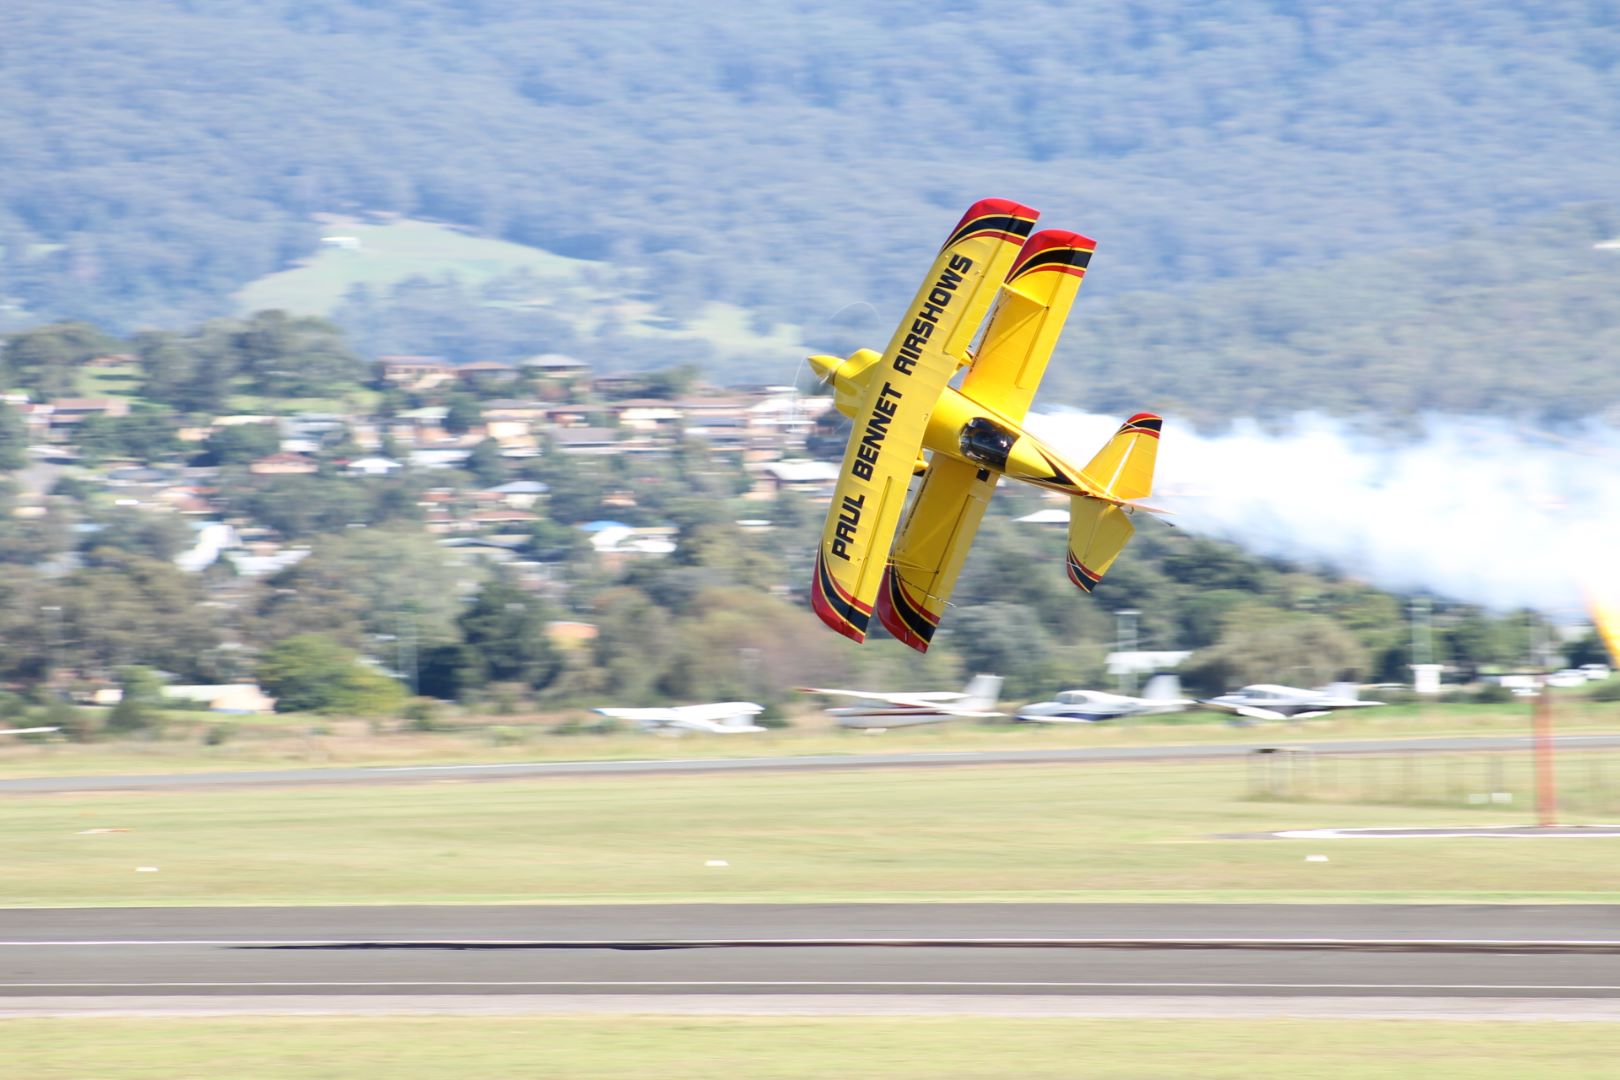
958 427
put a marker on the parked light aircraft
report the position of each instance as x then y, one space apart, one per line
27 730
902 710
1267 701
720 718
1162 694
902 406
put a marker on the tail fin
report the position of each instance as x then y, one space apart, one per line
981 692
1165 687
1124 467
1098 532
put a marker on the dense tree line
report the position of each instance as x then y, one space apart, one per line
725 617
795 160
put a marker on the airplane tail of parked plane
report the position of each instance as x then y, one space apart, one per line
1162 688
1098 530
981 693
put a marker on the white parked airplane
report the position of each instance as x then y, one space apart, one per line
902 710
1267 701
720 718
1162 694
27 730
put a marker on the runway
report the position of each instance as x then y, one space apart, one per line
533 770
471 956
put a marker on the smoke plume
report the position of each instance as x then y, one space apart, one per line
1477 510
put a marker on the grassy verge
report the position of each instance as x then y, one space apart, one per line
1020 833
586 1048
296 741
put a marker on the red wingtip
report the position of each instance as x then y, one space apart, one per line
824 611
894 624
1055 241
995 208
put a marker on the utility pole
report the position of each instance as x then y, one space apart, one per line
1541 720
1125 645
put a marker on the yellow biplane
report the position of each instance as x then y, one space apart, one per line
902 404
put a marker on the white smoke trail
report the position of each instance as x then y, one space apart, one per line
1477 510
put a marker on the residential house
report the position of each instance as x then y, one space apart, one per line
373 466
244 698
813 479
512 423
520 494
482 374
416 427
648 414
439 457
65 414
417 372
284 464
586 440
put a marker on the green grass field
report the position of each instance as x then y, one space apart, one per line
390 253
622 1048
123 380
586 294
1005 833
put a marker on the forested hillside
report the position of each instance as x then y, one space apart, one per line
794 159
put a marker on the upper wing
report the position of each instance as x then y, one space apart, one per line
927 559
900 393
1028 317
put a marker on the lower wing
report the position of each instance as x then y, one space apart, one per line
934 540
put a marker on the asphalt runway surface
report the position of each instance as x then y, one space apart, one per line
903 760
762 952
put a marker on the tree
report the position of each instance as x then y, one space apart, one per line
506 628
486 464
146 434
313 673
1001 639
291 356
46 360
137 708
463 414
239 444
634 644
1266 645
449 671
392 582
13 439
125 532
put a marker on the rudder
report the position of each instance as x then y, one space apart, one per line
1124 466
